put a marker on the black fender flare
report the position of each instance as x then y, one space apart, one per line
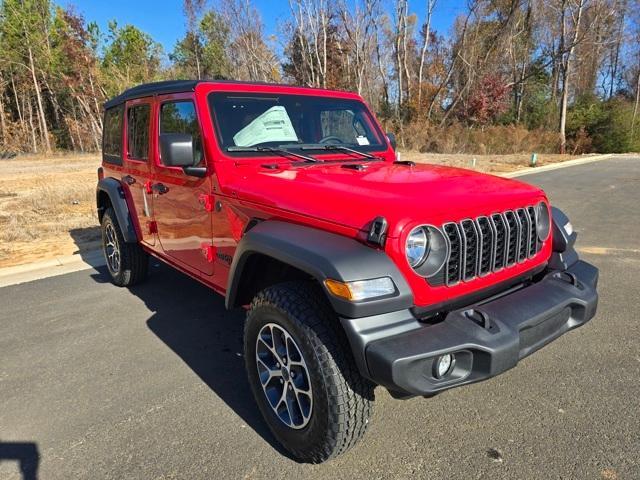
321 255
564 254
114 190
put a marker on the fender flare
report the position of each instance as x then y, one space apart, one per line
114 191
321 255
564 254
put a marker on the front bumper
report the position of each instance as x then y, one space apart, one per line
399 352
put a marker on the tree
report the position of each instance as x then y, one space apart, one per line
130 57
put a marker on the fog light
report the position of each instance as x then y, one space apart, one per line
443 365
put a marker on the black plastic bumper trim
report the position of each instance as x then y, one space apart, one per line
397 351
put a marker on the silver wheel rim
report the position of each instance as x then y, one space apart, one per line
112 248
284 376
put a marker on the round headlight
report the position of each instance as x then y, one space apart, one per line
543 224
426 250
417 246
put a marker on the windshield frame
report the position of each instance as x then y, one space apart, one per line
374 149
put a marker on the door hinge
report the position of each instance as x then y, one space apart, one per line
208 201
209 252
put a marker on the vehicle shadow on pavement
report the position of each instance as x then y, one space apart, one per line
25 453
192 320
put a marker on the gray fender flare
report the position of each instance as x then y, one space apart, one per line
321 255
113 189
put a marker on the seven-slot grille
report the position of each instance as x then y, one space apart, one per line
487 244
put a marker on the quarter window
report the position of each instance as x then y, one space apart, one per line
181 117
112 136
138 131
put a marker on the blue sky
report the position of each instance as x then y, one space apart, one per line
164 21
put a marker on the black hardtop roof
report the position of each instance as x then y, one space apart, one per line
177 86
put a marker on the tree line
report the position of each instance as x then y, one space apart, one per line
508 75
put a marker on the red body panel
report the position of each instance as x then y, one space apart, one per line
324 196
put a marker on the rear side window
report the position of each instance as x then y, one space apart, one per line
138 131
181 117
112 136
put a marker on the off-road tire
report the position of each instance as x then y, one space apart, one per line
342 398
133 260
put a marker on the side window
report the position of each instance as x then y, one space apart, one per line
138 131
180 117
112 135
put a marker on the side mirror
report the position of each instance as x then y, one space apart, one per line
177 150
392 140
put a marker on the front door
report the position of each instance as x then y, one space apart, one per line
182 220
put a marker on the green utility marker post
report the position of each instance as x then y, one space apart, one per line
534 159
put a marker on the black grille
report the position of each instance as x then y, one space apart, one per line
512 236
455 253
483 245
470 244
502 240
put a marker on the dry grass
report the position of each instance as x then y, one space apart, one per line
485 163
47 205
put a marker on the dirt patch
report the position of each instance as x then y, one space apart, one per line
47 204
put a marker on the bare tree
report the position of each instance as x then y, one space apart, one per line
570 22
431 5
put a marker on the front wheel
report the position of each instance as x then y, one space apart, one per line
302 373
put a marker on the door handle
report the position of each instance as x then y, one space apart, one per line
128 179
160 188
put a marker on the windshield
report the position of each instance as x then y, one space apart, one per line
292 122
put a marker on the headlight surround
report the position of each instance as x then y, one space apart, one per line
543 223
429 260
417 246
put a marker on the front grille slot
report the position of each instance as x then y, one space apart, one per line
486 244
455 253
470 244
502 241
513 235
533 235
525 229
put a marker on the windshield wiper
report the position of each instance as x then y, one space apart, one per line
341 148
279 151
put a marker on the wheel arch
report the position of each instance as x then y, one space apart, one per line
109 193
275 251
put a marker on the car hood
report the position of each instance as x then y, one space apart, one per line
402 194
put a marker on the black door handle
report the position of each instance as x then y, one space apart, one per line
160 188
128 179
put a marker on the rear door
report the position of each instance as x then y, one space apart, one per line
137 163
179 200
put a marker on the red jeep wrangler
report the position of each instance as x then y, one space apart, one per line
357 269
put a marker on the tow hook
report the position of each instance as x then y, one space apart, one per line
479 317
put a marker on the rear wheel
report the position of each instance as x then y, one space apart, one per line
302 373
127 262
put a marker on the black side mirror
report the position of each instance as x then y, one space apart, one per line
392 140
177 151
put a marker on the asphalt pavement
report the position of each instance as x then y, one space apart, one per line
101 382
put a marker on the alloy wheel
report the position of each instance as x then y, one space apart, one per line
284 376
112 248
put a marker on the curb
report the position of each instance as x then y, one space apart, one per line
94 258
50 268
556 166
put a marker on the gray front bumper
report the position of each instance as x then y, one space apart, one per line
399 352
